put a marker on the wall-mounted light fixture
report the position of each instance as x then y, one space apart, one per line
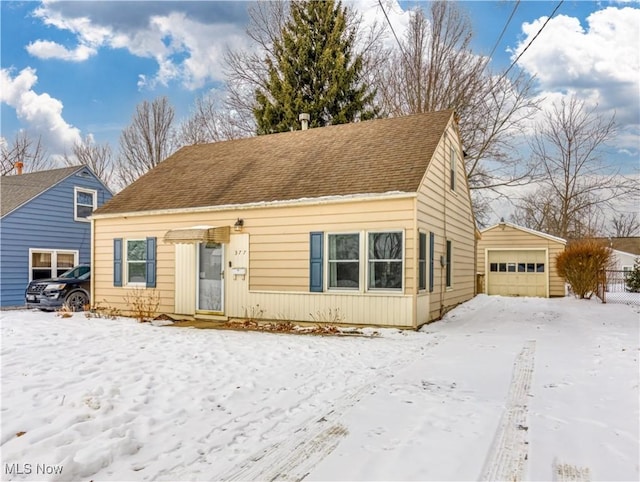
238 225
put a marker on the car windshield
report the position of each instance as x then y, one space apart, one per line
79 272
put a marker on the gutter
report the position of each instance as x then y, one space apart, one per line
265 204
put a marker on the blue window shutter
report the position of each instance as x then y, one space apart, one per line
315 268
117 262
151 262
432 243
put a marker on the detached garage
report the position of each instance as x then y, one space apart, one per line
517 261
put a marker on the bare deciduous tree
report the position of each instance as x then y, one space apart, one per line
576 185
147 140
209 121
99 157
247 71
25 149
625 225
434 69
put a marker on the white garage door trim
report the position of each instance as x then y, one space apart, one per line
546 262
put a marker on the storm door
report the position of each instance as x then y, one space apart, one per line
210 277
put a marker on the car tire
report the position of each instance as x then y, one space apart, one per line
76 300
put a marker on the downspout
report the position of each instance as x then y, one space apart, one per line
416 268
92 263
445 171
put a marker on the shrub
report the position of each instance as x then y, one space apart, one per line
581 265
143 303
633 278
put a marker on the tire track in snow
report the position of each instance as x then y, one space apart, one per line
295 457
509 451
570 473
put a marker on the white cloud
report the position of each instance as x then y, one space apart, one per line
184 47
600 64
45 49
41 113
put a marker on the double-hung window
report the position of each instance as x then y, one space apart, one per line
448 272
384 257
344 260
422 262
84 202
136 261
452 168
50 263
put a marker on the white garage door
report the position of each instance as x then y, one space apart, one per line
517 273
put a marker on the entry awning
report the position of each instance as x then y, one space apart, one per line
198 234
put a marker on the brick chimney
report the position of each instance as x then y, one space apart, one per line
19 166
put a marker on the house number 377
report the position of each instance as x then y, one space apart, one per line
240 252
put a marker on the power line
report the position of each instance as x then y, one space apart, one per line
531 41
392 30
515 7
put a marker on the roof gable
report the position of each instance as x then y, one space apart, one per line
18 190
526 230
372 157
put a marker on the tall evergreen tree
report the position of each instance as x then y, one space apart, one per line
314 70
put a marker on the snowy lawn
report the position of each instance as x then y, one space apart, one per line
502 388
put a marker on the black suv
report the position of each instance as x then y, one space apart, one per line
71 288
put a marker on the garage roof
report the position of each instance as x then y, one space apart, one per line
526 230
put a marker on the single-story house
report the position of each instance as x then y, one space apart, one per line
368 223
44 225
518 261
625 251
621 261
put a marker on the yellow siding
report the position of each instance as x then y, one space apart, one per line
278 259
274 248
185 281
448 214
513 238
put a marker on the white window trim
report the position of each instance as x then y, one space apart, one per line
54 259
366 262
125 268
94 194
359 289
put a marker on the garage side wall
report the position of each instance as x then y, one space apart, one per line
510 237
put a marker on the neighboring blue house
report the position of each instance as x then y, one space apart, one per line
44 225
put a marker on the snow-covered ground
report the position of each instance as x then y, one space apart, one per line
502 388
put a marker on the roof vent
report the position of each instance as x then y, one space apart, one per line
304 120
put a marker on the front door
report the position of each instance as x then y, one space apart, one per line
210 277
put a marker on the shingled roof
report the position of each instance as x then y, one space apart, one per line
19 189
369 157
627 244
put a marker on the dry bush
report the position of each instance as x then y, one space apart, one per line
581 265
254 313
65 311
330 316
101 310
143 303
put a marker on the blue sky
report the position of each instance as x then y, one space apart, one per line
70 69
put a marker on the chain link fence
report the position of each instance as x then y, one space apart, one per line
613 288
